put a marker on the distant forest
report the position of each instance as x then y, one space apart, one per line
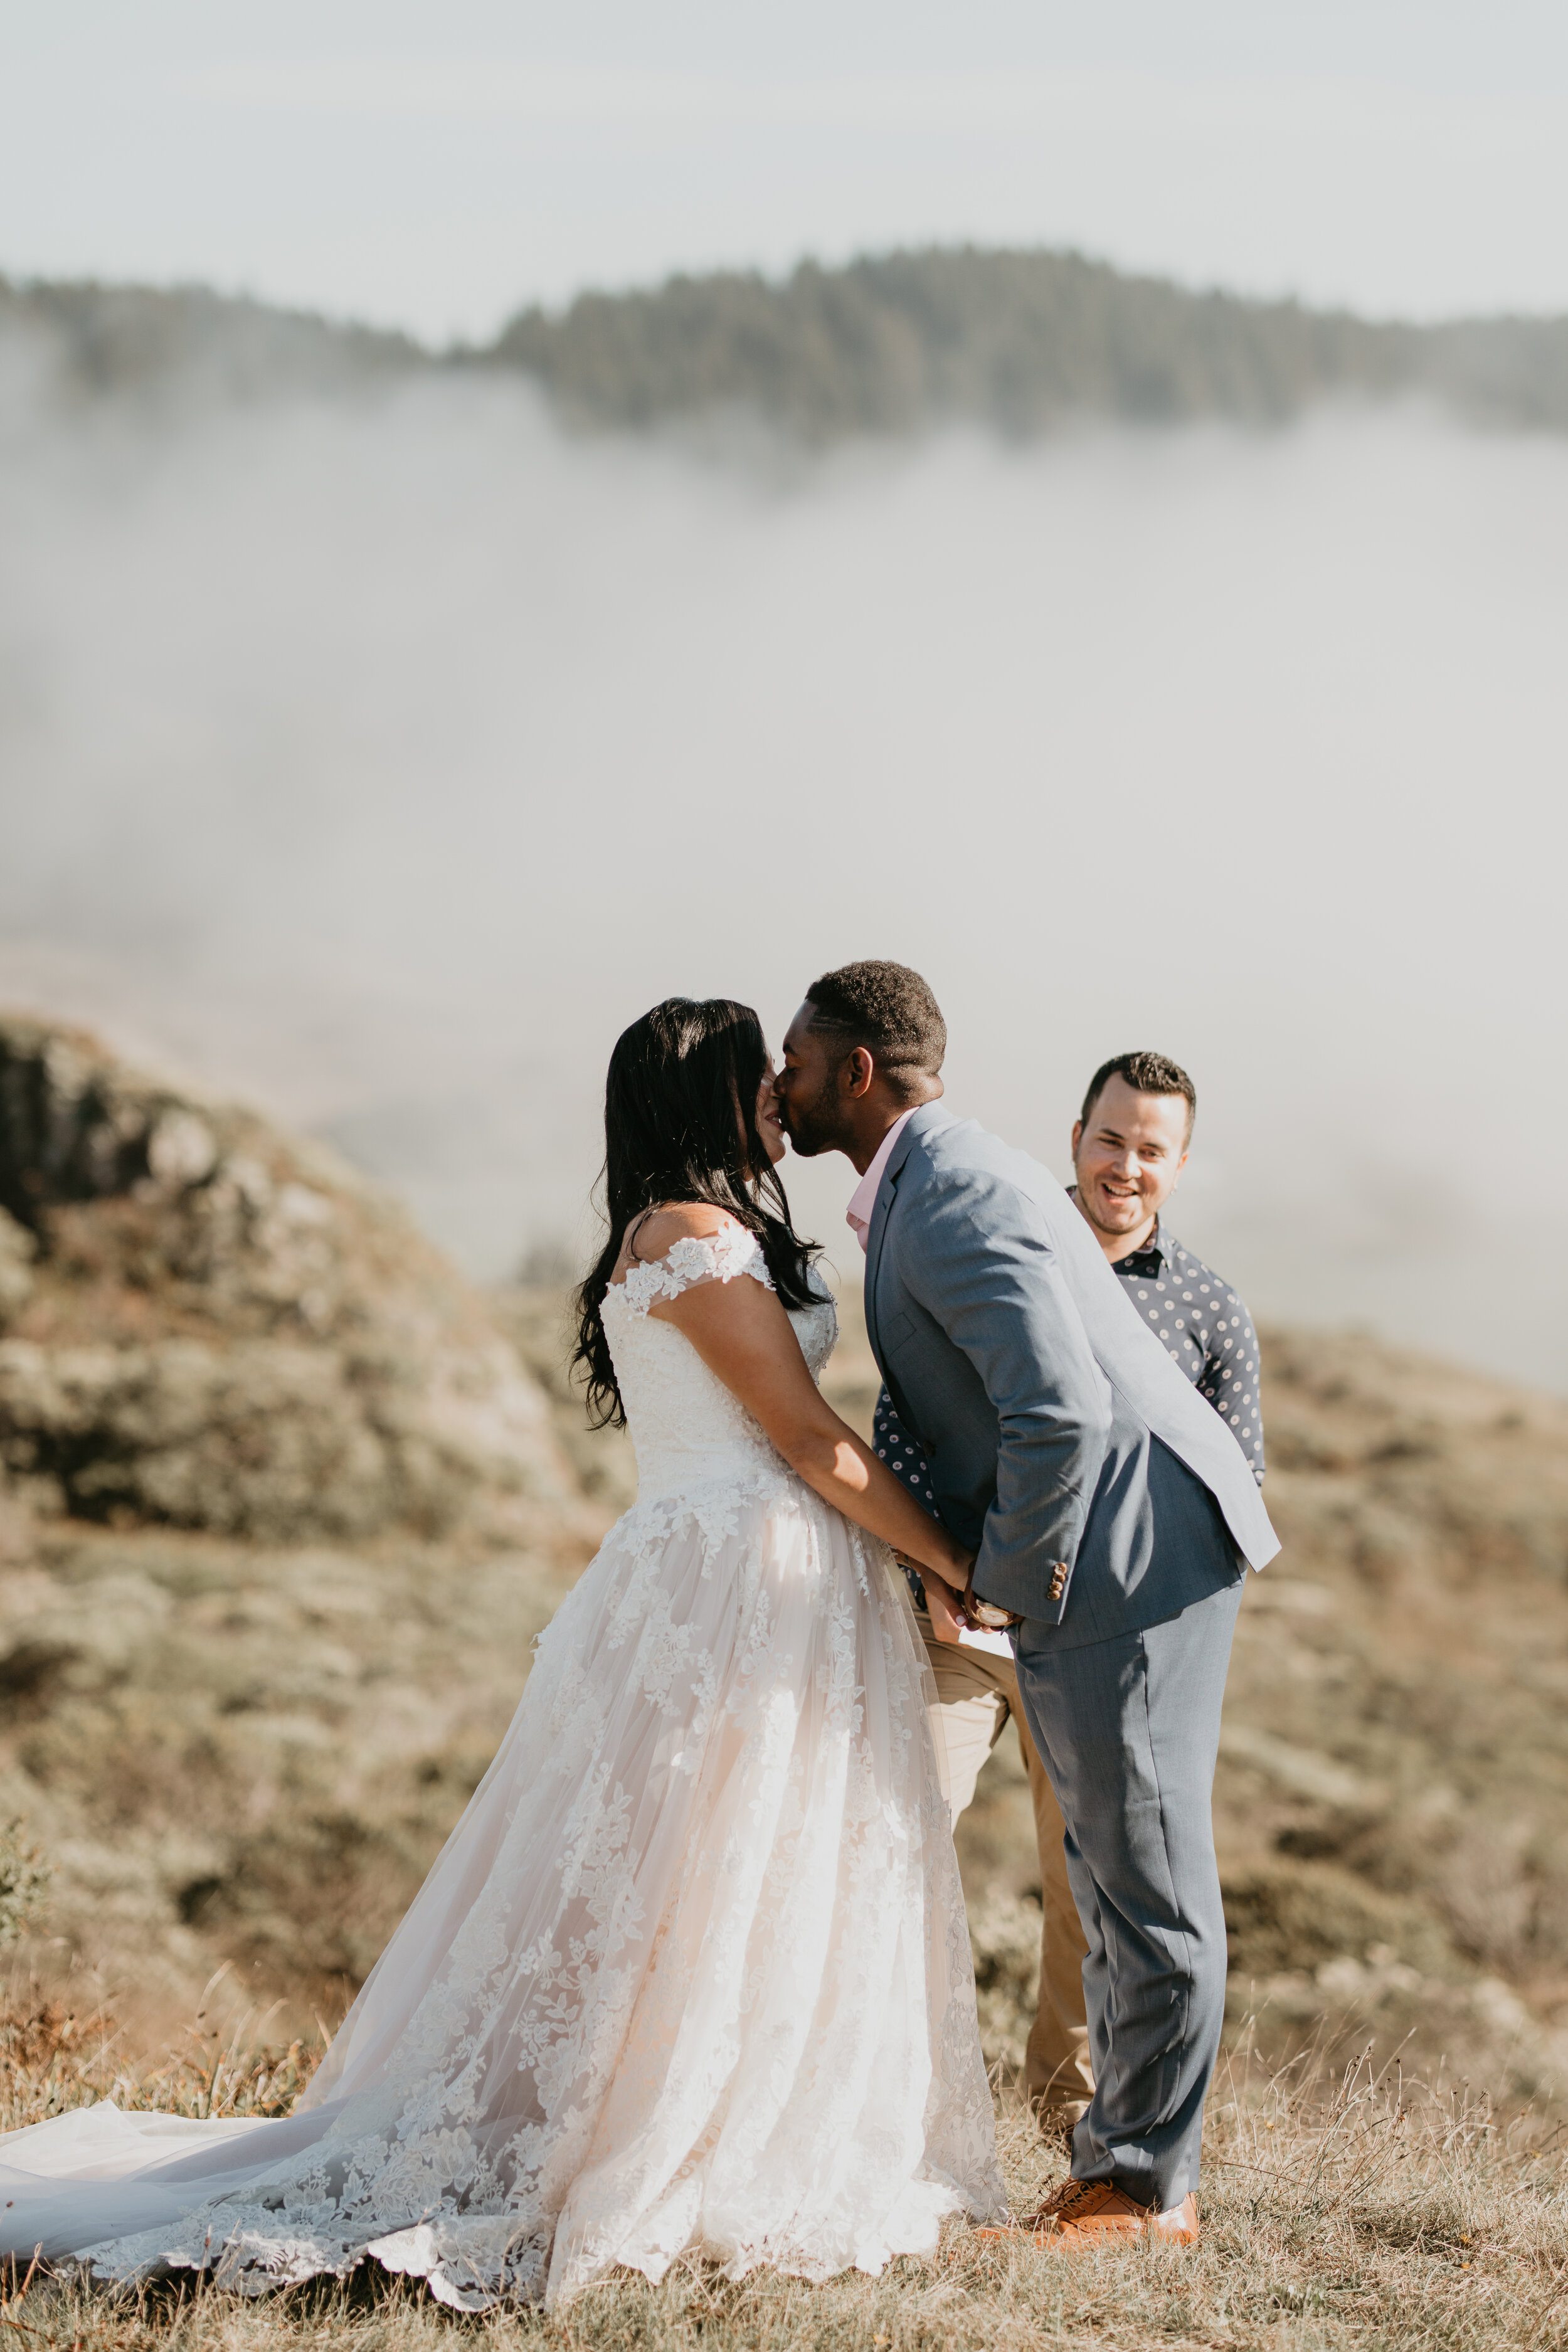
1021 342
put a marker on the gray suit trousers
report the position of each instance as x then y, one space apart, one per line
1129 1730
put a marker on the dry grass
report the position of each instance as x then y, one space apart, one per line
251 1753
231 1752
1350 2210
53 2059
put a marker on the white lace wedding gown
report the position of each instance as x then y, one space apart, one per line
692 1971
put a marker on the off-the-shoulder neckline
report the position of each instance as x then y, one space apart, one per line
726 1235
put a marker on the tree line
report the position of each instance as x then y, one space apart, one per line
1021 343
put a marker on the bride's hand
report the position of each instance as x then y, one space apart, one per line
948 1621
944 1601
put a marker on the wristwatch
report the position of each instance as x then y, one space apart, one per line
988 1616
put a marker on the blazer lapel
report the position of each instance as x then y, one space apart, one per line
928 1115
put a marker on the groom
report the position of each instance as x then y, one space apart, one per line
1111 1513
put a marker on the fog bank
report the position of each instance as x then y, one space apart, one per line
381 760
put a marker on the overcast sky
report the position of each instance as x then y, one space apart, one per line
437 165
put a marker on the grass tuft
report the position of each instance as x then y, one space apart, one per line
1347 2208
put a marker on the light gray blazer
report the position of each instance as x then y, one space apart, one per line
1100 1491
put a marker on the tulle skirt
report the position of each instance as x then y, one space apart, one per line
692 1973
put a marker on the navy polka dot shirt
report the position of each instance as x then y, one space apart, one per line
1200 1320
1205 1328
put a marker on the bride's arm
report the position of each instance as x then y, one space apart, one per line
743 1335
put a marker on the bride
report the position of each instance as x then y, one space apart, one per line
691 1974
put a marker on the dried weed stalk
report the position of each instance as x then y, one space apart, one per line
1342 2208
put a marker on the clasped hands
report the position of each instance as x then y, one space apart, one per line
955 1612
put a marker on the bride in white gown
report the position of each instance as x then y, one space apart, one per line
691 1974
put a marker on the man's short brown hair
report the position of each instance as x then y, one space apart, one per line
887 1008
1146 1073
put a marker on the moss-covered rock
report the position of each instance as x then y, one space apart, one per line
207 1323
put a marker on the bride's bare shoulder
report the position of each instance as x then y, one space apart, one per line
655 1233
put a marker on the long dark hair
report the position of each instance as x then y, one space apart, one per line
680 1123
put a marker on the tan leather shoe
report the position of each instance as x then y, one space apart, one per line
1084 2214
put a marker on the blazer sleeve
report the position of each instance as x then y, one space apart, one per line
987 1272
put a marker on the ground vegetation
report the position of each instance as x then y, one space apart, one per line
229 1752
1342 2209
206 1323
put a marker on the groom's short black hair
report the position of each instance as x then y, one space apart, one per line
887 1008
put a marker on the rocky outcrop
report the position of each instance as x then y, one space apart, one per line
209 1323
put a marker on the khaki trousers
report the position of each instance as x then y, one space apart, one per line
976 1694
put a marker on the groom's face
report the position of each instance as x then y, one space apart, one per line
810 1097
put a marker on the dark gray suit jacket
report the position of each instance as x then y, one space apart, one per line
1102 1493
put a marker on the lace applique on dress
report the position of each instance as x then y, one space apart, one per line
694 1438
694 1258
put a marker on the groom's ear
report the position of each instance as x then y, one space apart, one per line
857 1072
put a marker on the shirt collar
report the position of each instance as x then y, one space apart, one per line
1146 1263
1150 1262
863 1199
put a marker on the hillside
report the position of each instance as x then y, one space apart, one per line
1392 1800
248 1753
281 1511
107 342
1020 343
206 1323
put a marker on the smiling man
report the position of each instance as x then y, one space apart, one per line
1129 1147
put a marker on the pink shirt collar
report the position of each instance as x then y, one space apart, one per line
863 1200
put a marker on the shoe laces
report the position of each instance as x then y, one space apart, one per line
1066 2202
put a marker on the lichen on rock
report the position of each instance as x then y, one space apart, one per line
17 1251
206 1322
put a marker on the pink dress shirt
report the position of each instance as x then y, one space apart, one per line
863 1199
